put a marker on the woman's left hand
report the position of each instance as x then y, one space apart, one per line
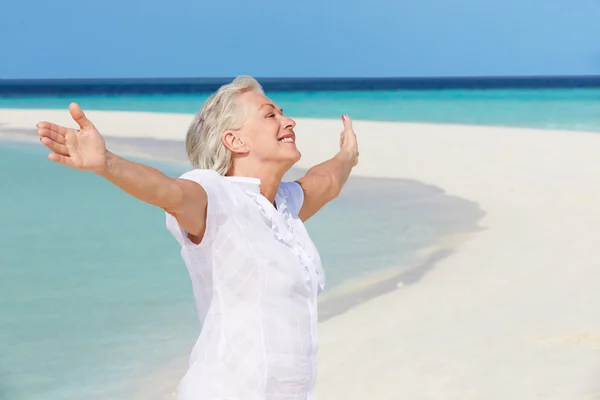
348 143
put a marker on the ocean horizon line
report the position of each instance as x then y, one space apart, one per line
179 85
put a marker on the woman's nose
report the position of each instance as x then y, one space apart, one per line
288 123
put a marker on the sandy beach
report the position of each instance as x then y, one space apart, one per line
511 313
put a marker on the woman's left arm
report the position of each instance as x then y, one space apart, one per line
324 182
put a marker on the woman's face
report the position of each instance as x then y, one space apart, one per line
266 135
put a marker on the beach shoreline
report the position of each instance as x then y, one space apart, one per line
509 313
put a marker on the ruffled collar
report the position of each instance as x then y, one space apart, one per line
279 218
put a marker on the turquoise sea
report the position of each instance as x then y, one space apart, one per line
571 109
94 295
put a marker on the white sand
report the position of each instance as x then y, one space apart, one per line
514 313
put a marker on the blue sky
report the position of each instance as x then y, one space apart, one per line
267 38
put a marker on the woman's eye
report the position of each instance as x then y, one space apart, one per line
271 115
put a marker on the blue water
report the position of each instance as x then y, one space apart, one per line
53 87
572 104
81 283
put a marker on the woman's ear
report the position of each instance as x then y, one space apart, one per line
234 143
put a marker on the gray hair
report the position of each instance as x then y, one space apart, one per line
203 143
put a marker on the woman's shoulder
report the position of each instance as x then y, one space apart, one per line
202 176
293 194
219 187
209 179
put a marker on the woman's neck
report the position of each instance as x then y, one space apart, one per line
270 180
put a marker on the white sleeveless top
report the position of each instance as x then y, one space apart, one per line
256 276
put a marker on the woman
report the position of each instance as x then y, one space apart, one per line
254 269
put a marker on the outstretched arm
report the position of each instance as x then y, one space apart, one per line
85 149
186 200
324 182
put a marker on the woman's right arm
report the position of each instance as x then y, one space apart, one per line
85 149
186 200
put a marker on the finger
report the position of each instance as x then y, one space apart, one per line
52 135
61 130
347 122
54 146
57 158
79 116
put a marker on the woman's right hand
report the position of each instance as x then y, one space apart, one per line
82 148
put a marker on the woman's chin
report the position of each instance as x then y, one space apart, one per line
295 156
287 158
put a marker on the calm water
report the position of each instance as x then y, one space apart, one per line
572 109
538 102
95 296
